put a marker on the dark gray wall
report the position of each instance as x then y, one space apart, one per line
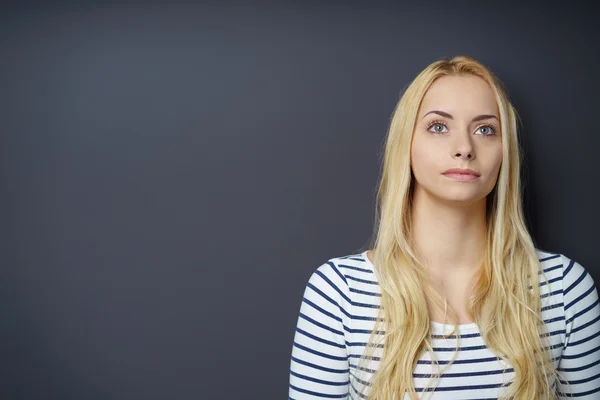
172 175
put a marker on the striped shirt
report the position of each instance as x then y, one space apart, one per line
338 312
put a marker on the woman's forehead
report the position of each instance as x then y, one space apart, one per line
459 96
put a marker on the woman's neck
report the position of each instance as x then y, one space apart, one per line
450 236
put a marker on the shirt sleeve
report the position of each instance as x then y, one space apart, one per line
580 360
319 367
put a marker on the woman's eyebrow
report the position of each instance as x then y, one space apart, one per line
477 118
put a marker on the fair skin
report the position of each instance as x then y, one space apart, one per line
449 216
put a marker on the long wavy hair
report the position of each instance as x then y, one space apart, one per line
506 302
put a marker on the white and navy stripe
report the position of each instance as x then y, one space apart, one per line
338 312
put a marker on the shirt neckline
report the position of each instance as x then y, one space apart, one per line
436 326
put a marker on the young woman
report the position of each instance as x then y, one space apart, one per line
454 301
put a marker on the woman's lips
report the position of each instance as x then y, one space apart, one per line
462 177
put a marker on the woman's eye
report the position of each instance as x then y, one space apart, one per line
437 127
488 130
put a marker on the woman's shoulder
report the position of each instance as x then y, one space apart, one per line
345 275
576 280
355 267
570 268
546 256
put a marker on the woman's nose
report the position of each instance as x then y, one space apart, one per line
466 155
463 148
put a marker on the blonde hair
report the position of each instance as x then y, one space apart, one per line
506 302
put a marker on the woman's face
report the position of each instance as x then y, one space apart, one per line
458 126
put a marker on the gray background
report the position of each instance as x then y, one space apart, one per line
172 175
